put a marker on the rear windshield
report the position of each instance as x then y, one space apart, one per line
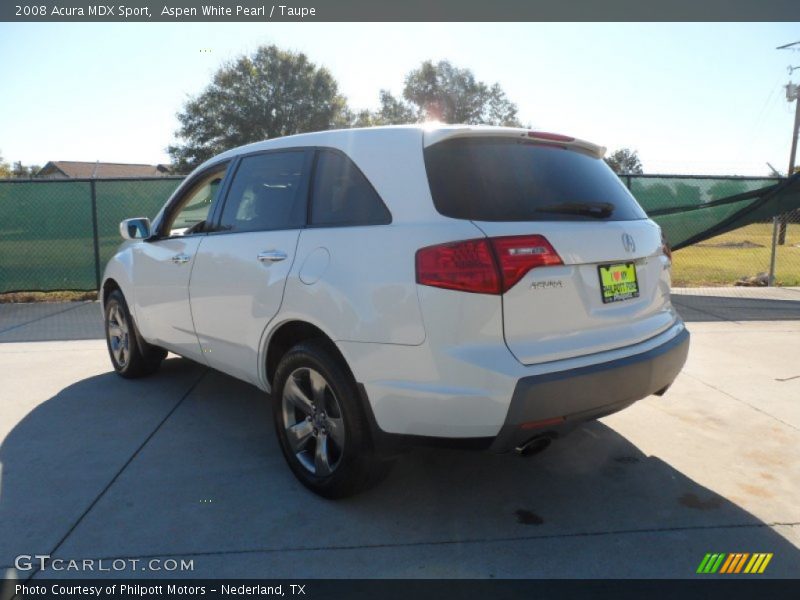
501 179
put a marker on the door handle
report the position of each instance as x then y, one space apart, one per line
272 256
179 259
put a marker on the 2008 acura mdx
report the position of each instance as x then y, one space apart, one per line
474 285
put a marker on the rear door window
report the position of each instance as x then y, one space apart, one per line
342 195
502 179
267 193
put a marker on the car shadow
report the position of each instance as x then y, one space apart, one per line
723 308
51 321
186 463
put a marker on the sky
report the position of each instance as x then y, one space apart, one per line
701 98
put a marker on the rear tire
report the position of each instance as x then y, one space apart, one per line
130 355
320 425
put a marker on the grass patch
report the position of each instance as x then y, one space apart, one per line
727 258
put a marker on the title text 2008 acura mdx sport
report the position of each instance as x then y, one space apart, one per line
478 286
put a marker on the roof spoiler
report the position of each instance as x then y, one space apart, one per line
434 136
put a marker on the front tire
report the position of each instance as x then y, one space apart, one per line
130 355
320 425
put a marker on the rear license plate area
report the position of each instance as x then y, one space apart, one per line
618 282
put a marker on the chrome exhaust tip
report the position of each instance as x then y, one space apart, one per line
535 445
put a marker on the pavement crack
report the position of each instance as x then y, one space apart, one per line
122 469
729 395
787 378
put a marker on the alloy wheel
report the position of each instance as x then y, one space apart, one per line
313 421
118 335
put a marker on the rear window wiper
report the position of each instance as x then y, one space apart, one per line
597 210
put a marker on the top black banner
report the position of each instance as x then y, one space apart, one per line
399 10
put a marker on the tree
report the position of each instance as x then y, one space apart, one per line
20 171
392 111
446 93
17 170
269 94
5 170
624 161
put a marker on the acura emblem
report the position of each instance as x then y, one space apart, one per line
628 243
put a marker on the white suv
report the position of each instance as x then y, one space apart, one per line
478 286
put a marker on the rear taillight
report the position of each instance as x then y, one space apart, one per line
467 266
484 266
520 253
665 248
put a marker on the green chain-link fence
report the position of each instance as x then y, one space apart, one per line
58 234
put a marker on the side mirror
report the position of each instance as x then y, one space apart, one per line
135 229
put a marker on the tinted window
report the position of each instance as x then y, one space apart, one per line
266 193
498 179
342 195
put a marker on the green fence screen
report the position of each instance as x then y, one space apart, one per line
47 228
59 234
692 209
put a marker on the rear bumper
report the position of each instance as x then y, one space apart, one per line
553 402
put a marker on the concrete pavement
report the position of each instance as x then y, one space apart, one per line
50 321
737 303
185 465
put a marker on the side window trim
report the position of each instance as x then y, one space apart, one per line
186 189
318 150
308 157
216 209
312 175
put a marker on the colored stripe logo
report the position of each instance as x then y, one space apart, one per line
736 562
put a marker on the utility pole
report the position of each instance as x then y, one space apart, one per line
791 94
779 223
